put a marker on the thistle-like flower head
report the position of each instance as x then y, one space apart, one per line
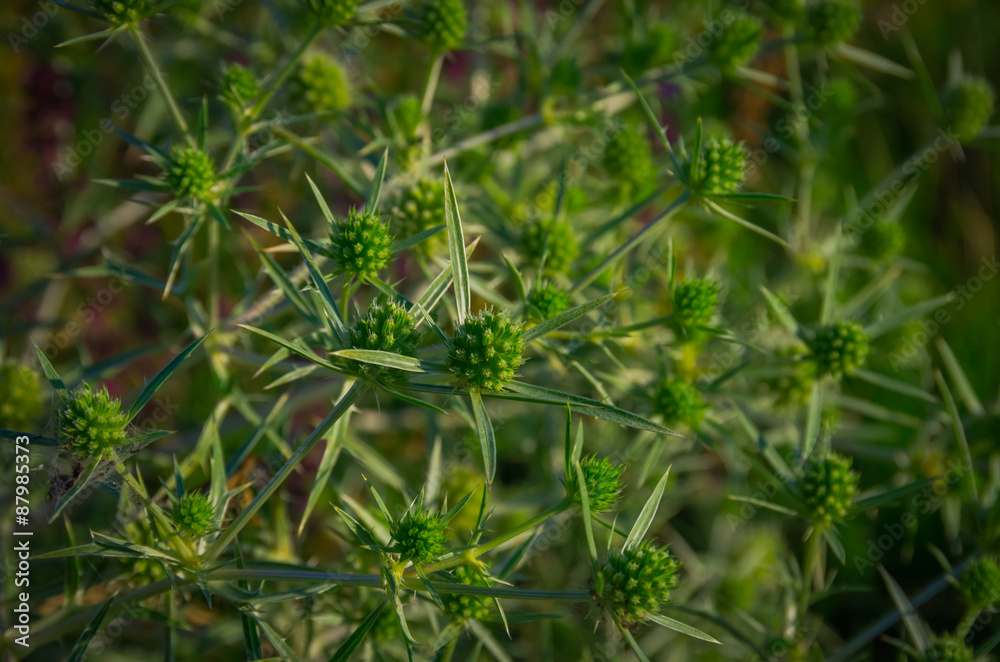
320 85
604 485
419 537
91 422
444 24
981 583
386 327
833 21
827 487
486 350
968 106
462 607
695 300
839 348
737 42
123 12
722 167
420 206
361 244
949 648
555 239
679 402
549 301
21 397
333 12
638 581
192 174
193 514
239 85
628 158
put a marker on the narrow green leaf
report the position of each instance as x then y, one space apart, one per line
385 359
486 436
581 481
281 232
962 383
93 627
921 640
456 249
401 245
683 628
903 316
878 500
837 547
93 36
565 318
277 640
377 180
290 346
959 430
647 513
80 483
150 389
50 373
761 503
352 643
747 224
833 272
813 421
894 385
630 640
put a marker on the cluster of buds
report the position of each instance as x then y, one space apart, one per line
486 350
361 244
386 327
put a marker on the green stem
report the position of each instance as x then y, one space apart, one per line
147 59
430 88
274 85
810 556
971 614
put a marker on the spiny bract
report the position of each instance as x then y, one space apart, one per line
722 167
419 537
981 583
555 239
695 301
420 206
827 487
968 106
320 85
638 581
444 24
736 43
333 12
193 514
239 85
361 244
549 301
387 327
678 402
123 12
192 174
603 478
21 397
833 21
466 607
628 158
948 648
839 348
486 350
91 422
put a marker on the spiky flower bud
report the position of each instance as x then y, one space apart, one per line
722 167
638 581
333 12
695 301
981 583
419 537
21 397
549 301
833 21
463 607
239 85
736 44
320 85
123 12
948 648
883 241
679 402
839 348
193 515
386 327
628 157
553 238
565 77
968 106
192 173
827 488
420 206
444 24
603 479
486 350
408 115
91 422
361 244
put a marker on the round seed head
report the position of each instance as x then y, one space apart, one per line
418 207
462 607
553 238
361 244
695 301
604 485
948 648
638 581
981 583
827 487
722 167
839 348
419 537
91 422
239 85
320 85
968 106
444 24
386 327
192 174
679 402
549 301
193 515
21 397
628 158
486 350
737 42
333 12
883 241
123 12
833 21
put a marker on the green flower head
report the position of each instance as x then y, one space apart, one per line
463 607
91 422
827 487
968 106
320 85
123 12
239 85
722 167
420 206
361 244
193 515
444 24
419 537
833 21
486 350
839 348
948 648
628 158
679 402
736 44
21 397
695 301
553 238
333 12
638 581
386 327
981 583
549 301
603 479
192 174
